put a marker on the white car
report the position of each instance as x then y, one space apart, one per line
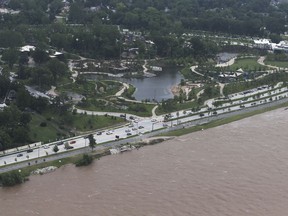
46 146
109 132
153 120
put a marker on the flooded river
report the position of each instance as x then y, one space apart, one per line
235 169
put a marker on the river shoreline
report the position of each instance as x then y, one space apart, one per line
179 132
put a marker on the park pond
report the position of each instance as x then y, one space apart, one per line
156 88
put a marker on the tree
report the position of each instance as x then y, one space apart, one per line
10 56
92 141
12 178
57 68
55 149
40 56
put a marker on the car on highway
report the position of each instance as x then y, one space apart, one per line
109 132
133 129
141 127
60 143
73 142
127 131
46 146
19 155
129 134
68 147
153 120
29 150
99 133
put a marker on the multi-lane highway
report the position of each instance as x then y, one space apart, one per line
137 126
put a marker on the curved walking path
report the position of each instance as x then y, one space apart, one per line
74 72
154 112
52 92
222 85
261 62
136 101
193 69
145 69
122 90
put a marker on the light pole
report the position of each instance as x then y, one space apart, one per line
85 138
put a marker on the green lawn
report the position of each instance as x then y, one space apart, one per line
179 106
247 64
140 109
44 134
129 92
283 64
84 122
60 126
87 88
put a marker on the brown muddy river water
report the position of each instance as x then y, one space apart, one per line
236 169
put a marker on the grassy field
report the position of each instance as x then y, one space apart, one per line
139 109
247 64
61 126
282 64
84 122
92 88
44 134
129 92
179 106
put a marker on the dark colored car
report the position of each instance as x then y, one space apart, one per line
129 134
29 150
19 155
99 133
60 143
69 147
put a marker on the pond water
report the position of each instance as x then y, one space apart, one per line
152 88
224 57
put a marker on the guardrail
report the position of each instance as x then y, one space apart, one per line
21 148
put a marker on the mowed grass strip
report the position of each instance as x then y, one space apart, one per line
247 64
282 64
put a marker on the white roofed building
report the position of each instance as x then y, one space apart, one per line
263 44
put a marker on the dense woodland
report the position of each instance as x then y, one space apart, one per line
90 27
